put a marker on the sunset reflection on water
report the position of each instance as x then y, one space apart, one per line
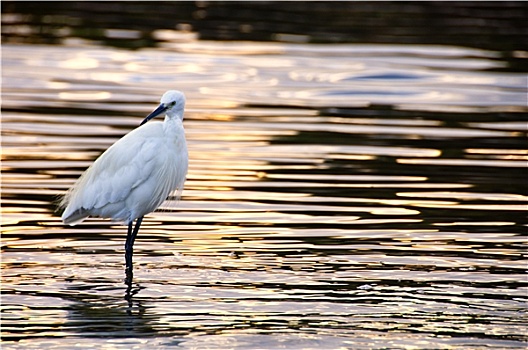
338 198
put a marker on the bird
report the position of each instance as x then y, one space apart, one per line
135 175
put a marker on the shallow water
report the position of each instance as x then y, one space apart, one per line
338 196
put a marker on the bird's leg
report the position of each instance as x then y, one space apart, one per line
128 255
129 248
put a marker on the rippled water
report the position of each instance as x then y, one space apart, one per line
339 196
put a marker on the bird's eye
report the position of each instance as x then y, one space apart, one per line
172 103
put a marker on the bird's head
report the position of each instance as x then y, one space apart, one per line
172 103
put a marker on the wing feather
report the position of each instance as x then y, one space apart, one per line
129 163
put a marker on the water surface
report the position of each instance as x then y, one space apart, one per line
338 196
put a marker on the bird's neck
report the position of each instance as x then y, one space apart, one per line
172 123
173 115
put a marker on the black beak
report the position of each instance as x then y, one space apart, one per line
161 108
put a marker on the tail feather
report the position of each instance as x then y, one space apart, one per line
74 218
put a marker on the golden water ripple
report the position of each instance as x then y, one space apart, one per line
354 196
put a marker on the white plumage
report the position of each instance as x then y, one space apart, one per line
136 174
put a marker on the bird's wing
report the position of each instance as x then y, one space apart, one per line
125 165
117 173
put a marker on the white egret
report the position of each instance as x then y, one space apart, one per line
135 175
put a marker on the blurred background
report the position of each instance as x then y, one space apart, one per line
357 175
495 25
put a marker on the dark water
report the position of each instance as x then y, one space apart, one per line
495 25
339 196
